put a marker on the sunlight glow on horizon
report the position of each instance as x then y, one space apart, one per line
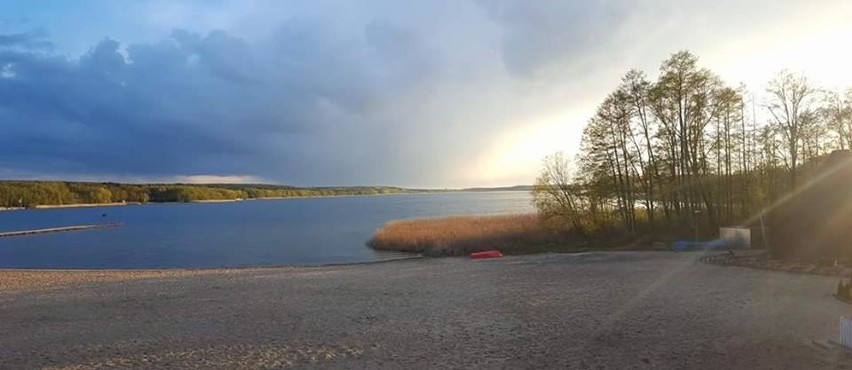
821 53
518 150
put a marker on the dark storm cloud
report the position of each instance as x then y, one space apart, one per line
194 104
102 114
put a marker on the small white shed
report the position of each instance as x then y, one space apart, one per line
739 237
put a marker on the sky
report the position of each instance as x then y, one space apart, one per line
435 94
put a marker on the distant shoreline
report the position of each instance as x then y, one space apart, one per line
17 194
120 204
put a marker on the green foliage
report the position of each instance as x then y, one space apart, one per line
30 194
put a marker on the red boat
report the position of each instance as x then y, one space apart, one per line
486 254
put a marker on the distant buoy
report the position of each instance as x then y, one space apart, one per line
486 254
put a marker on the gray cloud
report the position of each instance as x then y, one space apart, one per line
203 104
536 34
27 40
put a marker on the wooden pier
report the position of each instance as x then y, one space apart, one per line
58 229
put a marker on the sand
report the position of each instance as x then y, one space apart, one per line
644 310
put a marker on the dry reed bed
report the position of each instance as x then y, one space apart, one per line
460 235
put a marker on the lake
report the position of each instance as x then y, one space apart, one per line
297 231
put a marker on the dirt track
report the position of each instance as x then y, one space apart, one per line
596 311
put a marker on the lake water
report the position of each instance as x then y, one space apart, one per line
299 231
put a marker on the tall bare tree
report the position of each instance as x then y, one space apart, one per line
682 101
634 87
837 113
790 103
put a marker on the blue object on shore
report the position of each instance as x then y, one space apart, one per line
717 244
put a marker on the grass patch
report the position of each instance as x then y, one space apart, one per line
511 234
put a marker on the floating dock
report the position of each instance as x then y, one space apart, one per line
57 229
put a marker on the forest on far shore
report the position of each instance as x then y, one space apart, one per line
29 194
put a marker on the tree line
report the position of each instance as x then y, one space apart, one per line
30 194
688 151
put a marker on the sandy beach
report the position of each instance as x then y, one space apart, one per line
654 310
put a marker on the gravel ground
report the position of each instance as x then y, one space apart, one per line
654 310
